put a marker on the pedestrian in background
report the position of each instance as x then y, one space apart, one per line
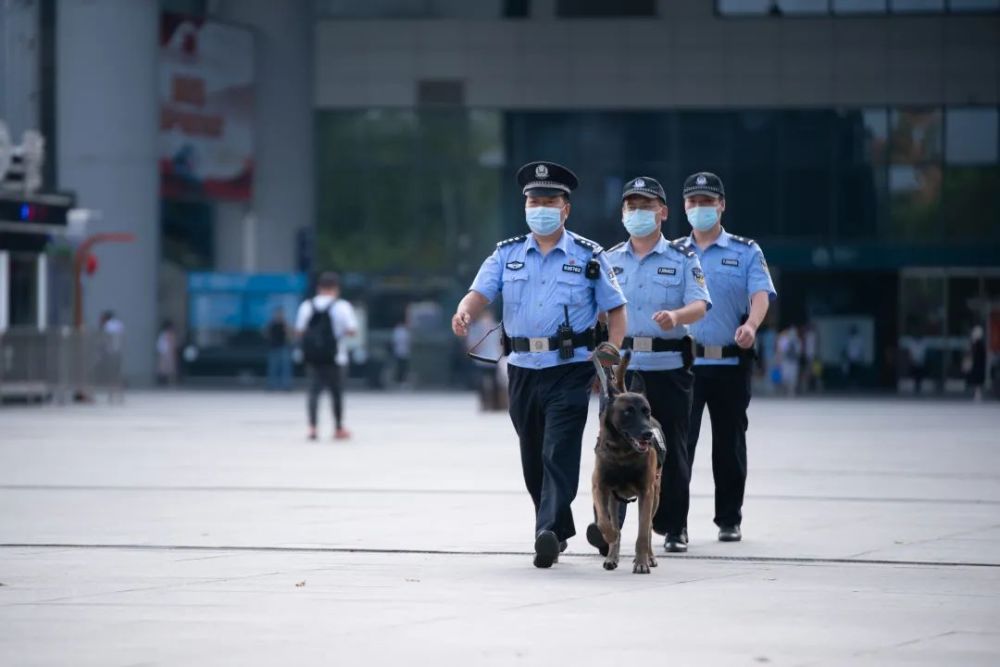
789 359
279 352
166 355
812 365
401 351
321 324
112 347
976 374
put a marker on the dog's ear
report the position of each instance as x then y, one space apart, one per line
620 370
637 384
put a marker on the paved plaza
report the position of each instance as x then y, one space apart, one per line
201 528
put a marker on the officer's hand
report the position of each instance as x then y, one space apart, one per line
746 334
460 323
666 319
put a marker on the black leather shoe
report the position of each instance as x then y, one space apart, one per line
730 534
677 543
596 540
546 548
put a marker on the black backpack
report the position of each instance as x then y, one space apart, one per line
319 344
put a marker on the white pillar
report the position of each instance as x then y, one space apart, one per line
42 268
4 290
107 123
283 198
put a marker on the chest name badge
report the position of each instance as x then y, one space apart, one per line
572 268
667 271
728 261
515 266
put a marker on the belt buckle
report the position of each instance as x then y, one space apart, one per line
538 344
642 344
713 352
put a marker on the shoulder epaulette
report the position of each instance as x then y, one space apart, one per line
742 239
681 246
512 240
616 247
588 244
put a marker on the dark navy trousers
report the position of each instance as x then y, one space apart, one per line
548 408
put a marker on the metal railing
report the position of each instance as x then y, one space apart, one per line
59 364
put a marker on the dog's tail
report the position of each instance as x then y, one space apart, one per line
620 371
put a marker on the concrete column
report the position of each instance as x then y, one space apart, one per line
4 290
284 189
107 126
20 79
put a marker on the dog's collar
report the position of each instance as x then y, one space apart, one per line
624 500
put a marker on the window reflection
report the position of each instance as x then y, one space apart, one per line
971 136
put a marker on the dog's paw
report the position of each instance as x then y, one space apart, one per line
610 564
640 567
652 561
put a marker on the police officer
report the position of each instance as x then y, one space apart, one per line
741 289
553 284
665 288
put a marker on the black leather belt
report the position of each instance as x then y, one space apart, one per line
718 351
650 344
549 343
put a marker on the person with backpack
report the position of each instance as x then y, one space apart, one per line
321 324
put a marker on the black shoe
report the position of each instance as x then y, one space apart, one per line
677 543
546 549
596 540
730 534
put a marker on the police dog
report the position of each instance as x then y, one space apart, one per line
628 452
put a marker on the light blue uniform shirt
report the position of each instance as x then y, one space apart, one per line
668 278
535 289
735 270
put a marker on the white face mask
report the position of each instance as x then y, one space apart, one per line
543 220
639 222
703 218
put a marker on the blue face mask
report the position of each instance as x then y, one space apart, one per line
639 223
543 220
703 218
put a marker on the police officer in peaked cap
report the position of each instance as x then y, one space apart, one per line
666 292
741 289
554 283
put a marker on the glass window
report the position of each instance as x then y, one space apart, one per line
751 203
916 135
860 202
859 6
806 196
705 141
746 7
804 6
972 207
971 136
402 9
597 8
974 5
755 138
862 136
904 6
915 202
807 136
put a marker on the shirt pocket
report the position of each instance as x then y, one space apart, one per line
572 288
513 286
667 291
728 272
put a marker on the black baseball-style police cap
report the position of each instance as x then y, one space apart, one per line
646 187
704 183
546 179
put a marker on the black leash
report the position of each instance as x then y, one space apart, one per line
479 357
